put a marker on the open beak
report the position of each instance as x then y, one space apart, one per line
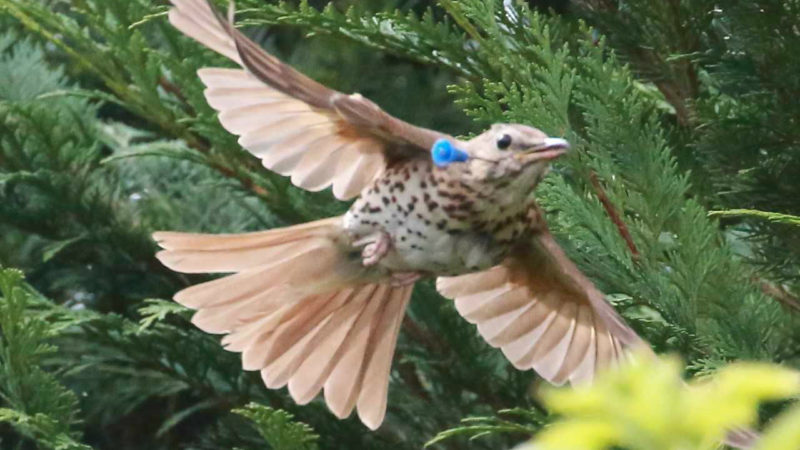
551 148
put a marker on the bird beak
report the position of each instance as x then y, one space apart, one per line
553 143
550 148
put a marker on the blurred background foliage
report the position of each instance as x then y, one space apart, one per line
675 109
646 405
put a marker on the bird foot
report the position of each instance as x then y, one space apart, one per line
376 246
400 279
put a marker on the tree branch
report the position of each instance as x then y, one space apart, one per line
613 215
779 293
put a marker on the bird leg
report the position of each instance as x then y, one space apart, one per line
376 246
400 279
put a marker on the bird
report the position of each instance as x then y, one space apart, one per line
317 307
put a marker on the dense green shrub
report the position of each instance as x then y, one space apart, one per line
105 136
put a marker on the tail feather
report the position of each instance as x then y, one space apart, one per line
300 321
344 382
295 345
203 253
248 334
375 384
307 323
326 349
228 317
223 290
236 260
173 240
298 309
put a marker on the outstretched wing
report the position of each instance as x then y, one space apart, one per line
295 125
542 312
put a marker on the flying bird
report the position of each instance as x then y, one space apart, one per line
318 306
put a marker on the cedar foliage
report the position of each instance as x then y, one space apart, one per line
105 136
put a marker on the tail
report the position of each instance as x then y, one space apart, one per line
299 309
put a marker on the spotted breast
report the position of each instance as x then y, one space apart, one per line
438 222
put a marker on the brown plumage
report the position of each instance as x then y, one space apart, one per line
542 312
318 306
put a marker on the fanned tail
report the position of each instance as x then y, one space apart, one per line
299 309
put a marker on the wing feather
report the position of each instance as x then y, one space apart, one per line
359 164
543 313
317 168
269 103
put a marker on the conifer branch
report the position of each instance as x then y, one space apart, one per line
172 88
614 215
82 226
787 219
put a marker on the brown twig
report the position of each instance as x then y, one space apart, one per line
423 336
172 88
246 182
779 294
613 215
202 146
408 373
437 346
674 97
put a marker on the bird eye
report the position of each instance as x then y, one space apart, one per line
504 142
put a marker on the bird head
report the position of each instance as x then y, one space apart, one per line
507 151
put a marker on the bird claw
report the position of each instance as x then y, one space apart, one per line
377 246
400 279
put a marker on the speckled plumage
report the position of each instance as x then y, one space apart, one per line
317 307
440 223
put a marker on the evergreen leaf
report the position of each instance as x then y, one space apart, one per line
278 428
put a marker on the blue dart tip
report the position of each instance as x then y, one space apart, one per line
444 153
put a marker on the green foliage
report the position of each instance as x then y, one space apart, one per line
156 310
787 219
730 83
31 399
105 136
55 189
528 422
646 405
278 429
407 34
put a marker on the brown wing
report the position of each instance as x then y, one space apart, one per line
542 312
295 125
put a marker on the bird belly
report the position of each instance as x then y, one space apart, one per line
444 254
416 247
422 235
